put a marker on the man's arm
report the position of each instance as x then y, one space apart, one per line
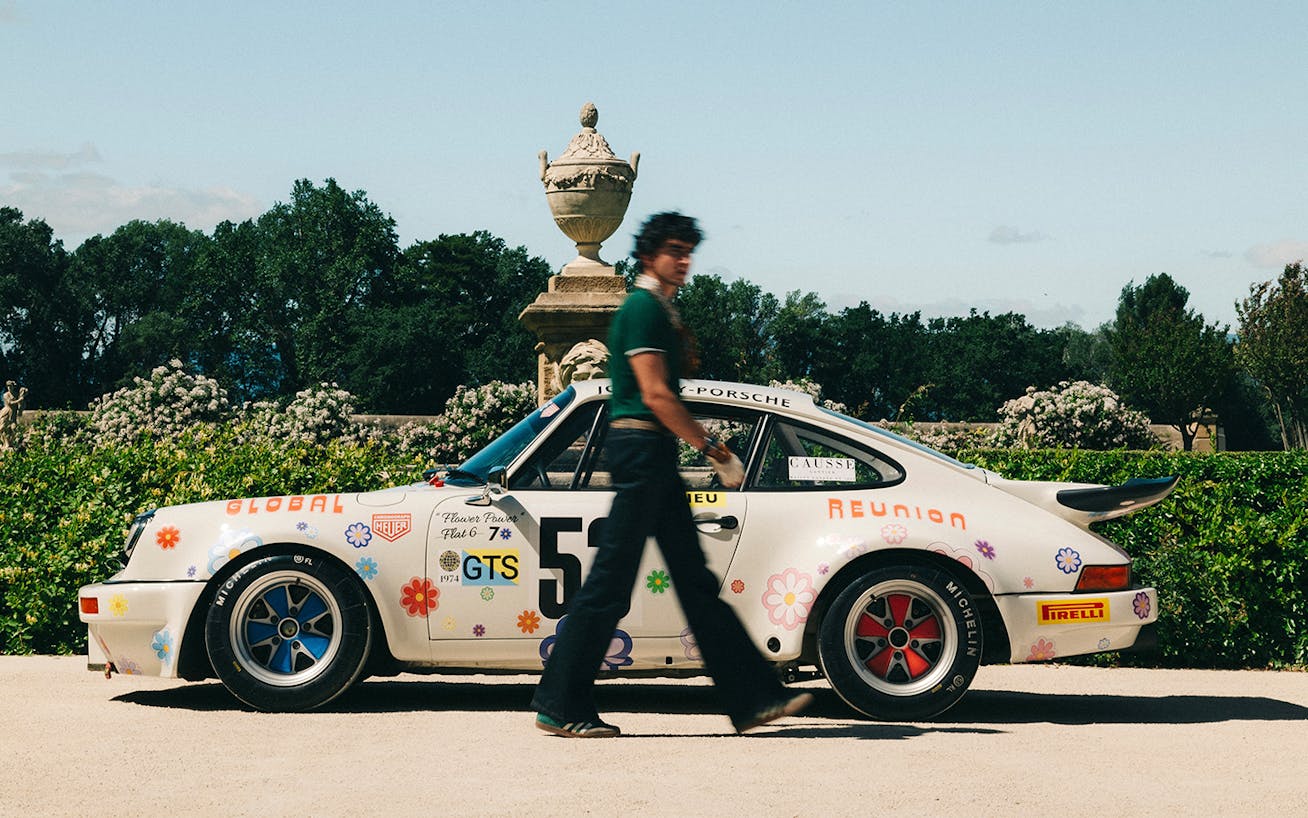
651 373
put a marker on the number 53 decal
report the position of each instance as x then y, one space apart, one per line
554 605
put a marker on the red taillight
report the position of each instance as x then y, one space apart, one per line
1104 578
90 605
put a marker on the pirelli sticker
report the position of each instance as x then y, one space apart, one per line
1063 612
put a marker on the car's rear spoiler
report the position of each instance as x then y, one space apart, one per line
1085 503
1115 500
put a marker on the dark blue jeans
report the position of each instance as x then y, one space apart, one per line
651 502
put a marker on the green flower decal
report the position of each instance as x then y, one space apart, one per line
657 582
488 593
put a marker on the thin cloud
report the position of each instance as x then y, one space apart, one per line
79 204
1277 254
47 160
1007 234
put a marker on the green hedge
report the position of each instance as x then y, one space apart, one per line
1228 550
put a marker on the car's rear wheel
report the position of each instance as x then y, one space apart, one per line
289 632
901 642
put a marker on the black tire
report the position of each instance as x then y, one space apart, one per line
289 632
901 643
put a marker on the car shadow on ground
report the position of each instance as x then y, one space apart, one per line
978 709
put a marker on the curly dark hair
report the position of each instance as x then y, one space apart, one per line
663 226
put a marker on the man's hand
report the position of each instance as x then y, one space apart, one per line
730 471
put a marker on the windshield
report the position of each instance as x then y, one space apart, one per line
911 443
502 450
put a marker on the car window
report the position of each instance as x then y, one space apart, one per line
566 459
800 457
734 428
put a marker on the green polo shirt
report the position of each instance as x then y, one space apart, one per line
640 325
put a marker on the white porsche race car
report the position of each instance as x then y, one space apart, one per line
891 569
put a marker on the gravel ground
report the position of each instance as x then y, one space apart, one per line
1026 739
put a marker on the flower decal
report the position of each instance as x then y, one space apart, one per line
823 568
163 646
1141 605
506 534
366 568
691 644
231 544
488 593
302 526
985 549
168 537
118 605
1028 582
1041 651
894 533
419 597
358 535
449 624
737 586
788 597
657 582
528 621
478 630
1067 560
190 572
1104 643
127 667
617 655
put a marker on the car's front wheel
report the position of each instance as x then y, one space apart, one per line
901 642
289 632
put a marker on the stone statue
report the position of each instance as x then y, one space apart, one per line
12 411
588 359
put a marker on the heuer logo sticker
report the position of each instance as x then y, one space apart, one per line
391 527
1080 610
490 566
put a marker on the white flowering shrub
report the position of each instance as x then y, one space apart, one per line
473 417
946 437
1076 414
813 390
164 405
314 416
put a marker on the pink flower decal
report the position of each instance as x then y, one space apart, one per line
1041 651
894 533
1028 582
788 598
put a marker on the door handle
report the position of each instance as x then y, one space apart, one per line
712 525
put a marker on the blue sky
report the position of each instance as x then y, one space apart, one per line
937 156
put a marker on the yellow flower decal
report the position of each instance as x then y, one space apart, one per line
118 605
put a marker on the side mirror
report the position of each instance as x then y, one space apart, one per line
497 483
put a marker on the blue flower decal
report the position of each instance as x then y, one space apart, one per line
1067 560
163 646
617 655
358 535
367 568
505 534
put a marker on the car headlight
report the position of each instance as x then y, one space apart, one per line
134 533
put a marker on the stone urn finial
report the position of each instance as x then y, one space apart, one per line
588 189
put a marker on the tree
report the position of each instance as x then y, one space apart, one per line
42 314
1273 348
447 317
732 323
319 257
137 280
1166 360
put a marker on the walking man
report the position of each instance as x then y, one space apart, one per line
651 350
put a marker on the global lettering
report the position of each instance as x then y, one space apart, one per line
838 509
316 503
